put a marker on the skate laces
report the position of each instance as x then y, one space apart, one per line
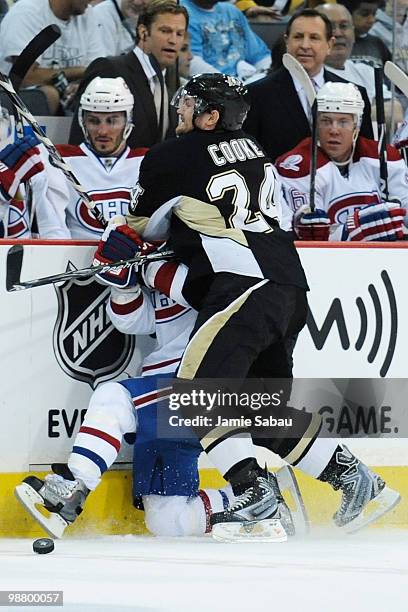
248 495
59 486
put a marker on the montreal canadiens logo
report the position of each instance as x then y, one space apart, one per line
18 219
340 208
109 203
86 344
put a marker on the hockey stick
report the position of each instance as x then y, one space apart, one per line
31 53
382 149
55 156
296 69
15 261
397 76
40 43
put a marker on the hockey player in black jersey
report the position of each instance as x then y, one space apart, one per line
215 195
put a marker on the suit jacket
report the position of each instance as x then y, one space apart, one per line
277 119
146 130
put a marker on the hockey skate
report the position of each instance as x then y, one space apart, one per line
54 502
252 517
365 495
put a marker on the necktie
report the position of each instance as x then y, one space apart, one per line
161 102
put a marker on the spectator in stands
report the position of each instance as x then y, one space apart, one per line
117 21
160 35
279 116
367 48
257 12
65 61
350 203
384 26
356 72
222 40
184 60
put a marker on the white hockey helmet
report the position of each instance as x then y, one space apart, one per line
107 96
340 98
6 128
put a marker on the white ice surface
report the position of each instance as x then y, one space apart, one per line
326 572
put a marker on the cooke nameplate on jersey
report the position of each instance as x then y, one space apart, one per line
86 345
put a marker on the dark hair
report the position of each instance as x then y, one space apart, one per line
354 5
158 7
311 13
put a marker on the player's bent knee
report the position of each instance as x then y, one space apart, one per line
174 515
112 403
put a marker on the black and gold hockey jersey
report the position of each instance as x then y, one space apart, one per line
217 197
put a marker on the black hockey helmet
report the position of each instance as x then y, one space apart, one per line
221 92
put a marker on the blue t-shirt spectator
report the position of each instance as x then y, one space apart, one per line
222 40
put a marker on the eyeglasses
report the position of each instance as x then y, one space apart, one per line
342 124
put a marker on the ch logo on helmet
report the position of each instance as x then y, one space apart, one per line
86 345
292 163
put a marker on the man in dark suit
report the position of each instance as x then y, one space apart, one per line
279 117
160 36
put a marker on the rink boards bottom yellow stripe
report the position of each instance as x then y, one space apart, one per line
109 509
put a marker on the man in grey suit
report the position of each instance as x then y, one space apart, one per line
279 117
160 36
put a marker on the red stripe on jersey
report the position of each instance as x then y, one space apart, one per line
123 309
161 364
164 277
169 312
139 401
67 150
101 434
207 509
369 148
123 194
140 152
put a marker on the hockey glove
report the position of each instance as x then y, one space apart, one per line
376 222
312 225
18 163
120 242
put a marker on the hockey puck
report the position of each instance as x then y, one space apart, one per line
42 546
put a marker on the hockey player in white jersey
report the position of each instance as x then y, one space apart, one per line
104 164
348 200
20 161
166 481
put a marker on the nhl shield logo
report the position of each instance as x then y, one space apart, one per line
86 344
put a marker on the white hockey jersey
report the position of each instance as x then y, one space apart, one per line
340 194
152 312
108 181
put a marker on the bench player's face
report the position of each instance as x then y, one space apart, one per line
336 132
105 131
